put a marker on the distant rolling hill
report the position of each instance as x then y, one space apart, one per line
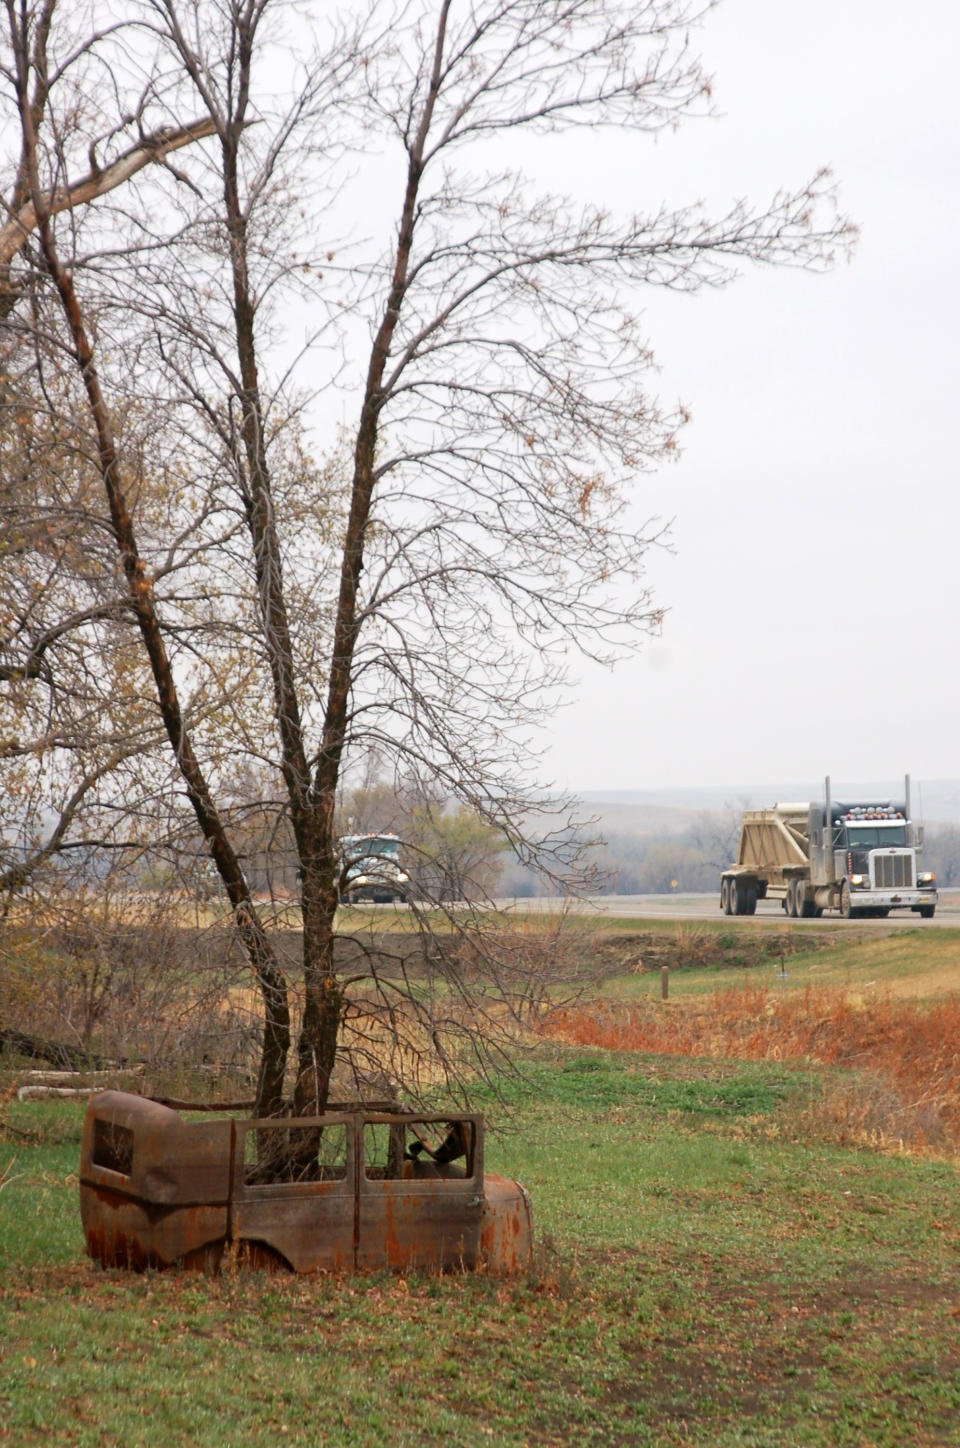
672 811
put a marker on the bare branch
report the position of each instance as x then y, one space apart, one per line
149 149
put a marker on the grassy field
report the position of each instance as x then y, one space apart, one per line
710 1271
738 1241
908 962
887 1005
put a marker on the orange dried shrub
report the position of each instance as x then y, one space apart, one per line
913 1047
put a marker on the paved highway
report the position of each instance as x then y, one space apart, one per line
707 907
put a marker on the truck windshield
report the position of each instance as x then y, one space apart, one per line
874 837
358 846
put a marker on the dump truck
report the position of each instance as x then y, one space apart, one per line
861 859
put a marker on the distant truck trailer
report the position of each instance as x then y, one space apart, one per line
861 859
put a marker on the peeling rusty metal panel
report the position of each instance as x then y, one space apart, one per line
121 1233
428 1230
506 1237
153 1189
422 1213
310 1224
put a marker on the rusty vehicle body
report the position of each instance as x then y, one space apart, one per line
353 1190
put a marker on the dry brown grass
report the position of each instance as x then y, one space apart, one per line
908 1052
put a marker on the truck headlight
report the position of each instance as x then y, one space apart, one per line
860 882
928 877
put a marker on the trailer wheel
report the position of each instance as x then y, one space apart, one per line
743 897
792 899
725 897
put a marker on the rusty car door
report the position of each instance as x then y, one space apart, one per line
415 1212
307 1219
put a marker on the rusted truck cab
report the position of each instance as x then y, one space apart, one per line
353 1190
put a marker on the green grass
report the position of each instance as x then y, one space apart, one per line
706 1275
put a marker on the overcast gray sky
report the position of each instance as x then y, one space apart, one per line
813 593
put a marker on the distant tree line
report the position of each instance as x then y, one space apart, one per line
941 853
628 863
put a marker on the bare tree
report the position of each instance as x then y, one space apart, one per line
72 723
82 66
454 853
415 596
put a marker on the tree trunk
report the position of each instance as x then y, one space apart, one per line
323 996
276 1038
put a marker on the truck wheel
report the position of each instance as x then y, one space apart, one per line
725 897
792 899
926 911
806 909
743 897
846 909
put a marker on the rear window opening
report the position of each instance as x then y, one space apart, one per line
113 1146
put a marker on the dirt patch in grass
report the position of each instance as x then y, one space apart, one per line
750 1346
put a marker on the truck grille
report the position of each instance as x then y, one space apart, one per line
893 872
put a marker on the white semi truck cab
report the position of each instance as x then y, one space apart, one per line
861 859
370 869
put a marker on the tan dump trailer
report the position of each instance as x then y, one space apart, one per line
860 859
